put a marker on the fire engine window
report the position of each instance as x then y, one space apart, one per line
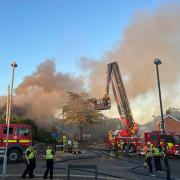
10 130
22 131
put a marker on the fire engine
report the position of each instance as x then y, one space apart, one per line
20 138
128 135
156 137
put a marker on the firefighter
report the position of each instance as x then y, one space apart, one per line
157 156
145 162
148 157
29 162
119 150
49 156
75 146
69 145
65 144
161 149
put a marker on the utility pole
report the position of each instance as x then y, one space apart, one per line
168 174
8 117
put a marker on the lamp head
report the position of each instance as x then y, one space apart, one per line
13 64
157 61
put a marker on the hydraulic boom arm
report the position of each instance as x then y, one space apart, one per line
114 77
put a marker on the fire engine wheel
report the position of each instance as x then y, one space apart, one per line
13 155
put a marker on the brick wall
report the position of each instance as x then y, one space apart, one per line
171 125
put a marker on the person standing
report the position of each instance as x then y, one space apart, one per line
148 156
149 160
49 156
65 144
69 144
29 163
75 146
157 160
145 161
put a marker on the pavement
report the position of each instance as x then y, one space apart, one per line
126 168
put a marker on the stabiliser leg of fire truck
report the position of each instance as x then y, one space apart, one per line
127 135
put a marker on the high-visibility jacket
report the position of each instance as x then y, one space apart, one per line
65 140
49 154
30 154
156 152
148 154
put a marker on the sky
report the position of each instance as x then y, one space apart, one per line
64 30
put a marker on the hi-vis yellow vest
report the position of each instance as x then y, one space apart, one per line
49 154
31 155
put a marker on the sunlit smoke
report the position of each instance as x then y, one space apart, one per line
149 36
43 92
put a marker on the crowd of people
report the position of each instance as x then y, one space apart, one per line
155 152
70 145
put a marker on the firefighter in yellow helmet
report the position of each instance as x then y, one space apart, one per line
49 156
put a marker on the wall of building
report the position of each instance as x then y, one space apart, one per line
171 125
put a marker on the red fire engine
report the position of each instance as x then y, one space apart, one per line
20 138
156 137
128 134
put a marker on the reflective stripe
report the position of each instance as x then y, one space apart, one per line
11 140
24 140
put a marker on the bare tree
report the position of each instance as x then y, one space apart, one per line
80 111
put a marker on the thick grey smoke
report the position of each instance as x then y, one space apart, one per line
149 36
42 93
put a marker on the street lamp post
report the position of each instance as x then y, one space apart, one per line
158 62
8 117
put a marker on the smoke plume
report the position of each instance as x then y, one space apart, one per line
149 36
42 93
